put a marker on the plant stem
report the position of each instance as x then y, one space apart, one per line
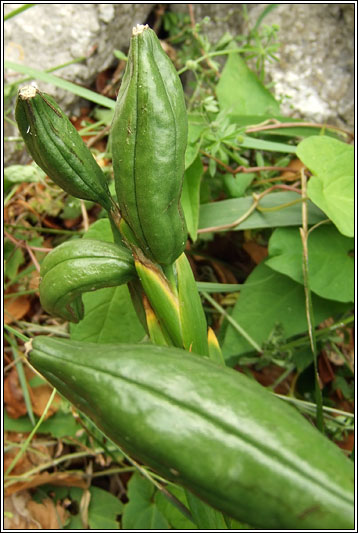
308 300
256 199
212 54
44 230
233 322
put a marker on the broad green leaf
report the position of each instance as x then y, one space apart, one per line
103 509
109 318
175 517
332 185
59 425
190 198
227 211
101 230
205 516
142 512
331 267
276 300
239 90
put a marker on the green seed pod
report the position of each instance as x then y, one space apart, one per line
80 266
56 146
149 136
208 428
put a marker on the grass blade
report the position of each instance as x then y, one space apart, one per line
17 11
63 84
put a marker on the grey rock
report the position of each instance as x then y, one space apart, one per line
314 77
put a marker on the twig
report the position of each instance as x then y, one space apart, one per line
247 170
308 301
276 124
43 230
24 244
84 216
256 199
196 36
99 136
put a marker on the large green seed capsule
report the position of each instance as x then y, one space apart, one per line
149 135
56 146
208 428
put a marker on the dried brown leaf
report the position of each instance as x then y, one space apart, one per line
15 308
63 479
21 512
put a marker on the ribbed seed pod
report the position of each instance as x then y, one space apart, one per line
208 428
149 136
56 146
81 266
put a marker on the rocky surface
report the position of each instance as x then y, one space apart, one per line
314 76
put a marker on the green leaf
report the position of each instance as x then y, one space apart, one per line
196 126
331 268
175 517
100 230
109 318
332 186
103 510
273 299
240 91
59 425
269 146
141 512
190 197
227 211
14 258
205 516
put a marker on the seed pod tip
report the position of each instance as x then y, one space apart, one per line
139 28
27 92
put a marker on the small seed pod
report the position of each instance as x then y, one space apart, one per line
56 146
